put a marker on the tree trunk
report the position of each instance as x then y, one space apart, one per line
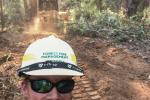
33 8
119 5
48 5
26 8
2 17
99 4
135 6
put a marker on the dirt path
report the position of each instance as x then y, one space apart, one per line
110 73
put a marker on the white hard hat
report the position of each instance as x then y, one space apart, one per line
49 56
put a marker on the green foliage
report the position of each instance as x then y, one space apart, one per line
146 16
128 34
89 19
14 12
13 15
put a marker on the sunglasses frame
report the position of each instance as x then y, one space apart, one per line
53 85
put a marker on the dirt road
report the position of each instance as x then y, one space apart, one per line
110 73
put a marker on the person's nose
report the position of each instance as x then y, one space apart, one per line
53 94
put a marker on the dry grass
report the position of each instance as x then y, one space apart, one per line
9 89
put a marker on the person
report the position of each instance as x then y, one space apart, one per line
48 68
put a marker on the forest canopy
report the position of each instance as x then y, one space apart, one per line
120 20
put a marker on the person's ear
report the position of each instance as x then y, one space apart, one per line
24 88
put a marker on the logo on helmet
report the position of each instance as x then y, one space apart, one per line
40 65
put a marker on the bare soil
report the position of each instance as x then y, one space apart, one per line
119 73
116 73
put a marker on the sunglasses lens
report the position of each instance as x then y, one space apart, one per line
45 86
41 86
65 86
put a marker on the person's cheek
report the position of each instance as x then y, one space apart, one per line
67 96
25 89
35 96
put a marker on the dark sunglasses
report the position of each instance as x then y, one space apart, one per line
45 86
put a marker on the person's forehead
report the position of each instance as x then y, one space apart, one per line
51 78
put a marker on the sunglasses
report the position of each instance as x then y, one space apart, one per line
45 86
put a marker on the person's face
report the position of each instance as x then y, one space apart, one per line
29 94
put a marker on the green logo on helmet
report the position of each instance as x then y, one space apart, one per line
59 55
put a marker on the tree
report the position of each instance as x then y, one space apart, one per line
135 6
33 8
2 18
26 8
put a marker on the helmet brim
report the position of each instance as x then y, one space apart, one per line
51 68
